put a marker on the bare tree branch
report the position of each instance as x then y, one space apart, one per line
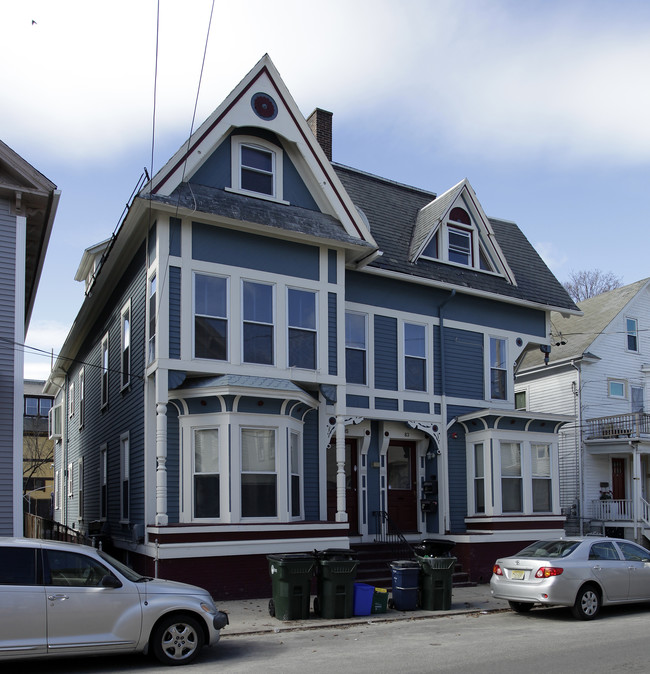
587 283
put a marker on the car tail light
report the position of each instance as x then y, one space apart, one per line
497 571
548 571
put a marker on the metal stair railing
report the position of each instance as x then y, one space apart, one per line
388 533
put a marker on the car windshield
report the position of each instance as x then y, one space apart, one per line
122 568
549 549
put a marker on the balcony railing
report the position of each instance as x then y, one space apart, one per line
612 510
618 426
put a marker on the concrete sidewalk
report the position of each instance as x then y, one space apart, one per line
251 616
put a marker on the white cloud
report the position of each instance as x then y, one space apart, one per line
44 340
508 80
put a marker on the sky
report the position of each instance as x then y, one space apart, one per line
542 104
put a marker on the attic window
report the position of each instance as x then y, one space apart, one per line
460 215
257 170
257 167
460 246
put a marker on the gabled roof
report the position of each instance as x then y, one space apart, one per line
392 210
36 198
574 336
238 110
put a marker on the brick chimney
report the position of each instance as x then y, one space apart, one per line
320 122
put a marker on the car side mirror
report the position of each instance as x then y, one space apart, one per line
110 581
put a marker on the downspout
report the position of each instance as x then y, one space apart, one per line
580 453
443 477
636 481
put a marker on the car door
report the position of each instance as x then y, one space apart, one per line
22 603
83 614
610 570
637 561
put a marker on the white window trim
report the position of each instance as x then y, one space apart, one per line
636 334
507 369
273 325
82 397
80 489
223 478
314 330
365 349
55 422
491 440
71 399
70 480
230 426
103 480
427 357
125 474
291 433
278 160
151 357
227 317
57 490
126 312
104 371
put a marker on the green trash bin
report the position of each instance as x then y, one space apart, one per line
291 575
336 571
435 582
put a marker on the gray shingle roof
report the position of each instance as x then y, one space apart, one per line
580 332
392 210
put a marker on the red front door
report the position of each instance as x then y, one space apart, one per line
402 491
351 482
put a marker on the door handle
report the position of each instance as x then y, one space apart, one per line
61 597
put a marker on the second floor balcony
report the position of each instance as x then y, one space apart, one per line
633 425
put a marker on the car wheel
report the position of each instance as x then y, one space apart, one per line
177 640
587 603
520 606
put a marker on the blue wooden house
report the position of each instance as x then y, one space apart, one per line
278 353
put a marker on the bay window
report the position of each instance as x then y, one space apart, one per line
479 478
258 473
206 499
511 477
541 476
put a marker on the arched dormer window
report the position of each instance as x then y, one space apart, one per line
256 167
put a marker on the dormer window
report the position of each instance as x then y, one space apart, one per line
256 167
460 246
257 170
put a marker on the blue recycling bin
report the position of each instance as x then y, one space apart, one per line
406 584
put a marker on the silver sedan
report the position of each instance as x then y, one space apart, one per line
583 573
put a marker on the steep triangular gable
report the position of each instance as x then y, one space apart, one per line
246 106
434 216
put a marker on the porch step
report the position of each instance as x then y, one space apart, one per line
375 560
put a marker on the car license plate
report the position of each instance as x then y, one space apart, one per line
517 574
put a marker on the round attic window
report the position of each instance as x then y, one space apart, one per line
264 106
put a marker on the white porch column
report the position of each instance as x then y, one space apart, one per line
161 464
341 513
636 486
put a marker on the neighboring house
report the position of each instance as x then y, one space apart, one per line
277 353
38 452
599 372
28 203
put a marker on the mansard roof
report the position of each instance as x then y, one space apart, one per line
392 210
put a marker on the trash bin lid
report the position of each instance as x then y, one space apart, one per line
435 547
404 564
287 557
336 554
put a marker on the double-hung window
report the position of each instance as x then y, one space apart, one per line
125 461
302 328
257 166
210 317
356 356
511 477
498 369
295 472
632 329
80 490
103 482
258 323
479 478
206 473
541 477
104 371
415 357
258 473
126 346
71 399
460 246
151 351
82 397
